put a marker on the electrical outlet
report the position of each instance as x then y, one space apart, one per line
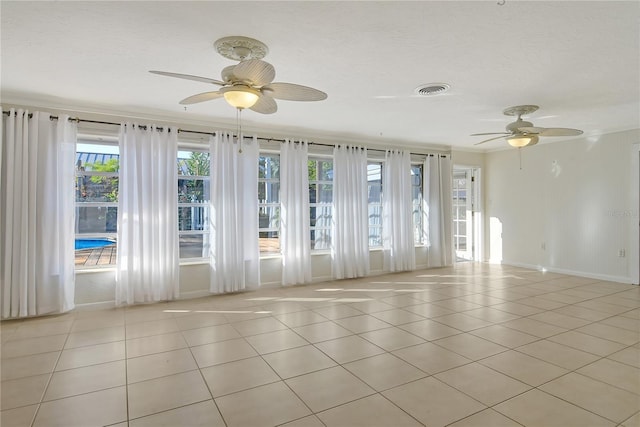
622 253
543 246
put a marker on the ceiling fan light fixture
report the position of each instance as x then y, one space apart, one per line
240 96
520 141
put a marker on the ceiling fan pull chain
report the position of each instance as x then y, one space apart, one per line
239 128
520 156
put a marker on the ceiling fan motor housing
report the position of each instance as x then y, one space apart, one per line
515 126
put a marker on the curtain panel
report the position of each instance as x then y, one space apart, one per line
350 242
294 213
147 268
235 253
397 206
37 214
437 210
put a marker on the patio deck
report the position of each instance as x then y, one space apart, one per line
96 257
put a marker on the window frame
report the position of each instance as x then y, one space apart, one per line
266 206
315 205
418 228
373 205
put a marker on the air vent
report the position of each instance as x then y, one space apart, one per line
432 89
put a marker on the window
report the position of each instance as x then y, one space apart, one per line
193 203
416 195
269 202
96 190
320 202
460 211
374 178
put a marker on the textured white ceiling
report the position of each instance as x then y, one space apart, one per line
580 61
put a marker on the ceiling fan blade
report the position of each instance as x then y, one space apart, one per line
490 139
201 97
255 71
490 133
560 132
265 105
189 77
551 131
294 92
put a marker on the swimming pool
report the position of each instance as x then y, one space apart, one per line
92 243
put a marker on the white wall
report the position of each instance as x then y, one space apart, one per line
97 287
569 209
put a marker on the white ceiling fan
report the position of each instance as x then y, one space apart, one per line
249 84
522 133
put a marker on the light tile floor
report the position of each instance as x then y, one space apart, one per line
473 345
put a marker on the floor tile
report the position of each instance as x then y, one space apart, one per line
258 326
535 408
26 366
542 303
19 417
308 421
429 330
384 371
97 322
42 329
199 320
92 409
25 347
623 323
582 313
588 343
524 368
271 404
373 410
275 341
629 356
486 418
428 310
222 352
462 321
371 306
491 314
534 327
323 331
470 346
432 402
91 355
95 336
611 333
504 336
518 309
559 319
397 316
348 349
362 323
210 334
483 384
161 394
300 318
77 381
22 391
595 396
558 354
203 414
237 376
155 344
154 327
633 421
328 388
159 365
457 304
298 361
613 373
391 338
337 311
431 358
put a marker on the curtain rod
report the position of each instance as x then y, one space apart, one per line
160 128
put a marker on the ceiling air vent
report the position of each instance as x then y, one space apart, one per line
432 89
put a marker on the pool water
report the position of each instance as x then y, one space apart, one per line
92 243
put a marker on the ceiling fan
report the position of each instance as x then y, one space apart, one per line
522 133
248 84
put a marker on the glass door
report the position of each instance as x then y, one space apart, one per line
463 213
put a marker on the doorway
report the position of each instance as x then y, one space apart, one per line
466 213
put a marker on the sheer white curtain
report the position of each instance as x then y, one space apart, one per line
350 242
295 237
235 254
37 212
147 267
438 220
397 207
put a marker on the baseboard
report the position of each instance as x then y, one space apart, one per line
588 275
89 306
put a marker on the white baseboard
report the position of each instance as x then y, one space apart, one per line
89 306
588 275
